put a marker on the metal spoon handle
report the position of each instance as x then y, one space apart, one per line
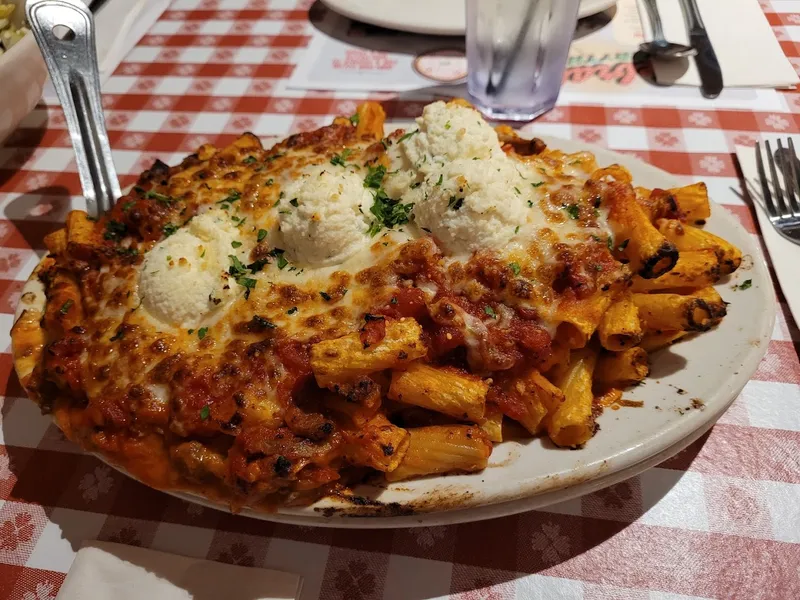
655 19
71 57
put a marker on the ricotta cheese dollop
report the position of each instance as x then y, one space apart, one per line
472 205
324 215
445 132
185 277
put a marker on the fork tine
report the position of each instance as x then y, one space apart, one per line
762 175
776 183
795 168
789 184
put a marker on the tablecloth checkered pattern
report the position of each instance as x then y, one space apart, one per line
720 520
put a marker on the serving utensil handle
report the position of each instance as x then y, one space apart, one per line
64 30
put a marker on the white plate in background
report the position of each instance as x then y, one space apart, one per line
433 17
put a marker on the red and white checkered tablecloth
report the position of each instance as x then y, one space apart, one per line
720 520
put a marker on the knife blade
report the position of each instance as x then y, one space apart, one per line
711 83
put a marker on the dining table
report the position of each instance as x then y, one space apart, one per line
721 519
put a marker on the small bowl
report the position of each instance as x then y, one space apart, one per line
22 77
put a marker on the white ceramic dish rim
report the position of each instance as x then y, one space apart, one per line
600 471
443 17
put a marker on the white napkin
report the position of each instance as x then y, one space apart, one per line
783 254
103 570
745 45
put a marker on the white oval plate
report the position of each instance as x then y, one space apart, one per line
523 475
440 17
713 368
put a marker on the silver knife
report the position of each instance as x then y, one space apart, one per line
706 60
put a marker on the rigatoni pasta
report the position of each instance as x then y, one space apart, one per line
572 424
273 325
443 449
442 389
344 359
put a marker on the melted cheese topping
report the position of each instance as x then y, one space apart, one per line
466 193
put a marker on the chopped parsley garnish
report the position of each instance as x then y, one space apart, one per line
388 213
236 244
115 230
623 245
127 251
248 283
232 197
274 157
447 125
341 159
205 412
354 119
190 332
374 177
127 206
250 160
490 311
515 268
257 265
170 228
66 306
408 135
278 254
237 269
530 203
118 336
416 185
441 178
169 257
269 181
291 311
516 230
610 243
745 285
201 333
537 184
293 202
516 189
325 296
573 210
262 233
455 203
159 197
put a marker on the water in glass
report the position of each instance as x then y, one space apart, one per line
516 54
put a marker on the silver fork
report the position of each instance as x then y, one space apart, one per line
782 206
64 30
